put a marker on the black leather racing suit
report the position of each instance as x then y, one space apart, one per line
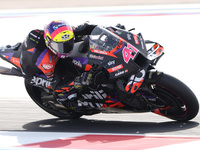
41 67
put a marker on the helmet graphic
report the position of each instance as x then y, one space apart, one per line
59 38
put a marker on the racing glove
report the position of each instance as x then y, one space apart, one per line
96 76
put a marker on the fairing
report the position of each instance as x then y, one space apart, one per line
11 54
116 54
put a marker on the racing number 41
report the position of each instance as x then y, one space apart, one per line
129 52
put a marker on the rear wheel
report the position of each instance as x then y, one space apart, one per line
177 100
45 101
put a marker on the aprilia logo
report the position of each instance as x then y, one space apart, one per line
91 104
95 95
38 81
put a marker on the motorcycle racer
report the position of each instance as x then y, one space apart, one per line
45 54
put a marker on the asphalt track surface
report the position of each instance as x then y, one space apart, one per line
21 114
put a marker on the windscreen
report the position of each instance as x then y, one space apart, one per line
102 39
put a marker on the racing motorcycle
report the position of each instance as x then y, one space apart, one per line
125 56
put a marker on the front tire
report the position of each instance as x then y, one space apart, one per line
183 104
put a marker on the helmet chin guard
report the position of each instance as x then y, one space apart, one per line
60 55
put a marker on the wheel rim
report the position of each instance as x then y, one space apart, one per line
176 107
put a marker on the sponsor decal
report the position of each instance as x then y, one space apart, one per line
96 57
100 52
121 72
93 105
103 52
65 37
35 36
58 25
38 81
135 81
112 62
47 66
16 61
95 95
129 52
142 43
136 39
129 36
77 63
99 95
115 68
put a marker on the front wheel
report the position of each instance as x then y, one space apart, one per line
179 102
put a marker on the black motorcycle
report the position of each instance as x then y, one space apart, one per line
123 54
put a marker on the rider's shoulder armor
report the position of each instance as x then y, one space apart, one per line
33 39
32 47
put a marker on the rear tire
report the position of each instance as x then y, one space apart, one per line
183 102
36 95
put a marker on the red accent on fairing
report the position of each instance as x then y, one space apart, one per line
31 50
119 46
103 52
15 61
66 89
88 67
134 86
110 103
157 111
113 69
136 39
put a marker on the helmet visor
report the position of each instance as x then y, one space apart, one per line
62 48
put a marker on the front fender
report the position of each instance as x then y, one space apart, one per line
153 76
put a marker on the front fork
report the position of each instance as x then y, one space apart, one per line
146 90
